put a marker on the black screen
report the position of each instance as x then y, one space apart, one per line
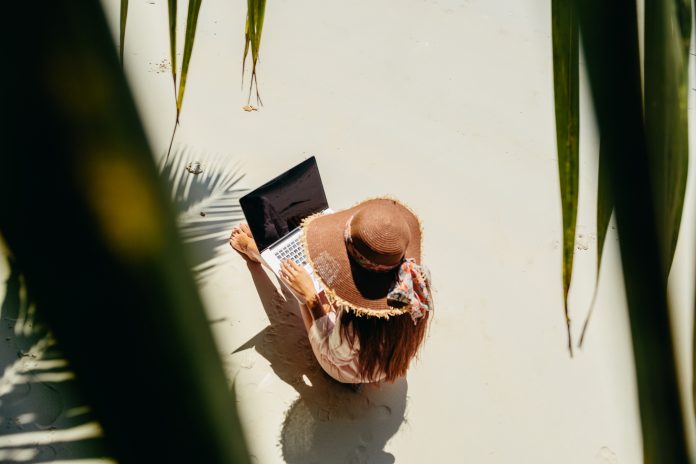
279 206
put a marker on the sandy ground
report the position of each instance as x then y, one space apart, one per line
448 106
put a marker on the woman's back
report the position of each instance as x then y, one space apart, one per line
338 355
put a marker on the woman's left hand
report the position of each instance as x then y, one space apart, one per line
299 281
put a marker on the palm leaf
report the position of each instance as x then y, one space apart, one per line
666 116
610 42
194 7
124 305
666 87
124 17
172 40
207 205
683 12
564 26
252 41
684 19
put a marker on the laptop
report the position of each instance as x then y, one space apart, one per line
275 212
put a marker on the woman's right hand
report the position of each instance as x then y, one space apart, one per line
298 280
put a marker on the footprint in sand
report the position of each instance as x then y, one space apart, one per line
606 456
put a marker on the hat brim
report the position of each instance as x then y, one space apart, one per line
345 281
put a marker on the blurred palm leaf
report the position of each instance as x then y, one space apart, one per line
668 37
252 35
207 205
684 18
667 41
124 17
564 25
666 77
123 304
610 39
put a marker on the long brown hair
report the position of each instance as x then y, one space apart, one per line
386 345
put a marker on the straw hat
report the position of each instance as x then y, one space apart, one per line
357 253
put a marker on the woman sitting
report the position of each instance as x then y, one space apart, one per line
370 320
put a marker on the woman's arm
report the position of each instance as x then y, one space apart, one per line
314 310
317 307
313 306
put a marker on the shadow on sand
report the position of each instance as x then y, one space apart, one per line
329 422
206 202
43 417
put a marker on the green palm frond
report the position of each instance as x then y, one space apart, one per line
564 25
667 41
123 305
171 10
252 42
124 17
611 46
194 8
684 19
666 98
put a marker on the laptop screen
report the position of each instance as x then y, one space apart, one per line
279 206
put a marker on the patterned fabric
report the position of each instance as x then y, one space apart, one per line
412 287
359 257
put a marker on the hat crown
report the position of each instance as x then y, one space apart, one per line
351 279
381 234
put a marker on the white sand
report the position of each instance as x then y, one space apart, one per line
448 106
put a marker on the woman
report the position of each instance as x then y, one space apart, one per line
371 318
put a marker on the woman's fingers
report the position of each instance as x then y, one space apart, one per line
288 266
295 266
288 273
297 278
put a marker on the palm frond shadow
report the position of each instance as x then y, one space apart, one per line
205 194
43 416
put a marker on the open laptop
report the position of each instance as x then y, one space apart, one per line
275 212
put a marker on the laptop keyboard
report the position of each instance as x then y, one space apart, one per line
292 250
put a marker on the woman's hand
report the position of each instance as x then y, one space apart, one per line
299 281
